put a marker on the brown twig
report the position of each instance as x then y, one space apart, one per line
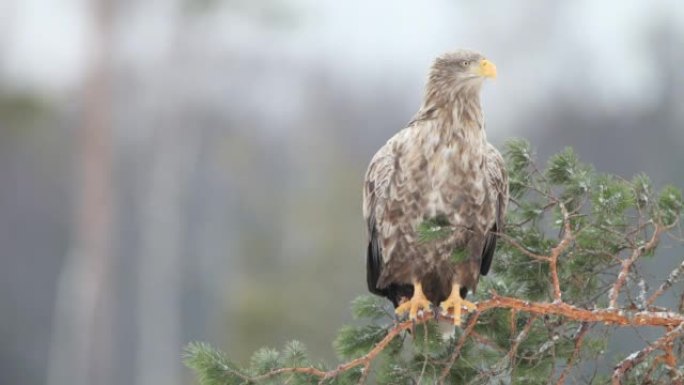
514 320
628 262
584 328
616 317
668 357
552 258
568 236
486 341
516 343
457 349
522 249
671 279
637 357
509 358
425 361
364 373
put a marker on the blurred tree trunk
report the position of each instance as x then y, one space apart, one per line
81 342
173 150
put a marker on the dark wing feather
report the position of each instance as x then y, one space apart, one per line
498 181
375 187
373 260
488 251
393 292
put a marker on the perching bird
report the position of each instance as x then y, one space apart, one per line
440 169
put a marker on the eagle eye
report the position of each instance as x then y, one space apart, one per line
465 63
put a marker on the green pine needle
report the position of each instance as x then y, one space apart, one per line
434 229
355 341
562 167
670 204
518 153
265 360
369 307
295 355
211 366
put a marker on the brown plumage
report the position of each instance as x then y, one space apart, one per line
439 168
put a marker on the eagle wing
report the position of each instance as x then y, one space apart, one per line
383 167
498 185
376 191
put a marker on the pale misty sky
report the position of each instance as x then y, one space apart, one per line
605 43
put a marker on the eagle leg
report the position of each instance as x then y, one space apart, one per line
418 302
457 303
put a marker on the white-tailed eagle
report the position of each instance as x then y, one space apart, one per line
439 170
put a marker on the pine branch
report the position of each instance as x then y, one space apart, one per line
627 263
510 240
637 357
205 359
581 333
556 251
540 307
509 359
671 279
604 316
457 350
610 316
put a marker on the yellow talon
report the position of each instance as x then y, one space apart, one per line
457 303
416 303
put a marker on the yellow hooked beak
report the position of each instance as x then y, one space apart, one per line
486 69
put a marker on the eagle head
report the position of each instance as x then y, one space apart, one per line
461 68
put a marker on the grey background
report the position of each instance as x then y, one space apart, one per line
239 132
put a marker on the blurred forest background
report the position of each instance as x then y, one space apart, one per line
174 170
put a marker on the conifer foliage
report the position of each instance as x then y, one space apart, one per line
566 275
